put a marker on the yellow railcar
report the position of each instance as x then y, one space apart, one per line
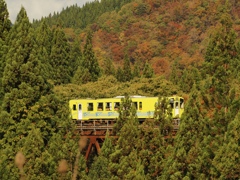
107 108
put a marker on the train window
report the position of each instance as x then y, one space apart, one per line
79 107
176 105
74 107
181 103
116 105
171 102
136 105
108 106
140 105
100 106
90 106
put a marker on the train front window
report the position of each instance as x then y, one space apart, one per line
90 106
181 103
74 107
171 102
176 105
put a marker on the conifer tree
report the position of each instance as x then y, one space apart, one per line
219 94
189 77
147 71
151 148
183 161
176 72
108 67
44 37
127 72
75 57
89 61
30 114
227 157
119 74
60 57
123 159
136 70
100 166
5 26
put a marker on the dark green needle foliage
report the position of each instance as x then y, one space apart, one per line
31 115
227 159
189 77
60 57
147 71
75 57
182 162
43 47
125 112
89 69
5 26
100 166
108 67
127 71
90 61
124 160
219 95
151 148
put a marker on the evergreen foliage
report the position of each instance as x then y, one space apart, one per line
189 78
60 57
127 71
100 166
136 71
219 96
31 115
42 50
183 161
227 157
123 160
5 26
81 17
147 71
108 67
89 69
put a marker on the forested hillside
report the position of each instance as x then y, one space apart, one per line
115 47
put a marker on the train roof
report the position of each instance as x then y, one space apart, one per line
120 97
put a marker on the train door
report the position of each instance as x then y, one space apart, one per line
79 111
176 108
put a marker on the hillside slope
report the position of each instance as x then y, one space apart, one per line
160 32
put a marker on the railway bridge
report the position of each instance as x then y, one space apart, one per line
95 132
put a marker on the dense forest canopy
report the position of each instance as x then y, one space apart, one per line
114 47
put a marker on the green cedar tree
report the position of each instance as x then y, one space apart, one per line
100 166
5 26
136 70
60 57
44 37
90 61
227 157
75 57
119 74
127 72
147 71
31 116
108 67
183 161
123 159
218 95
